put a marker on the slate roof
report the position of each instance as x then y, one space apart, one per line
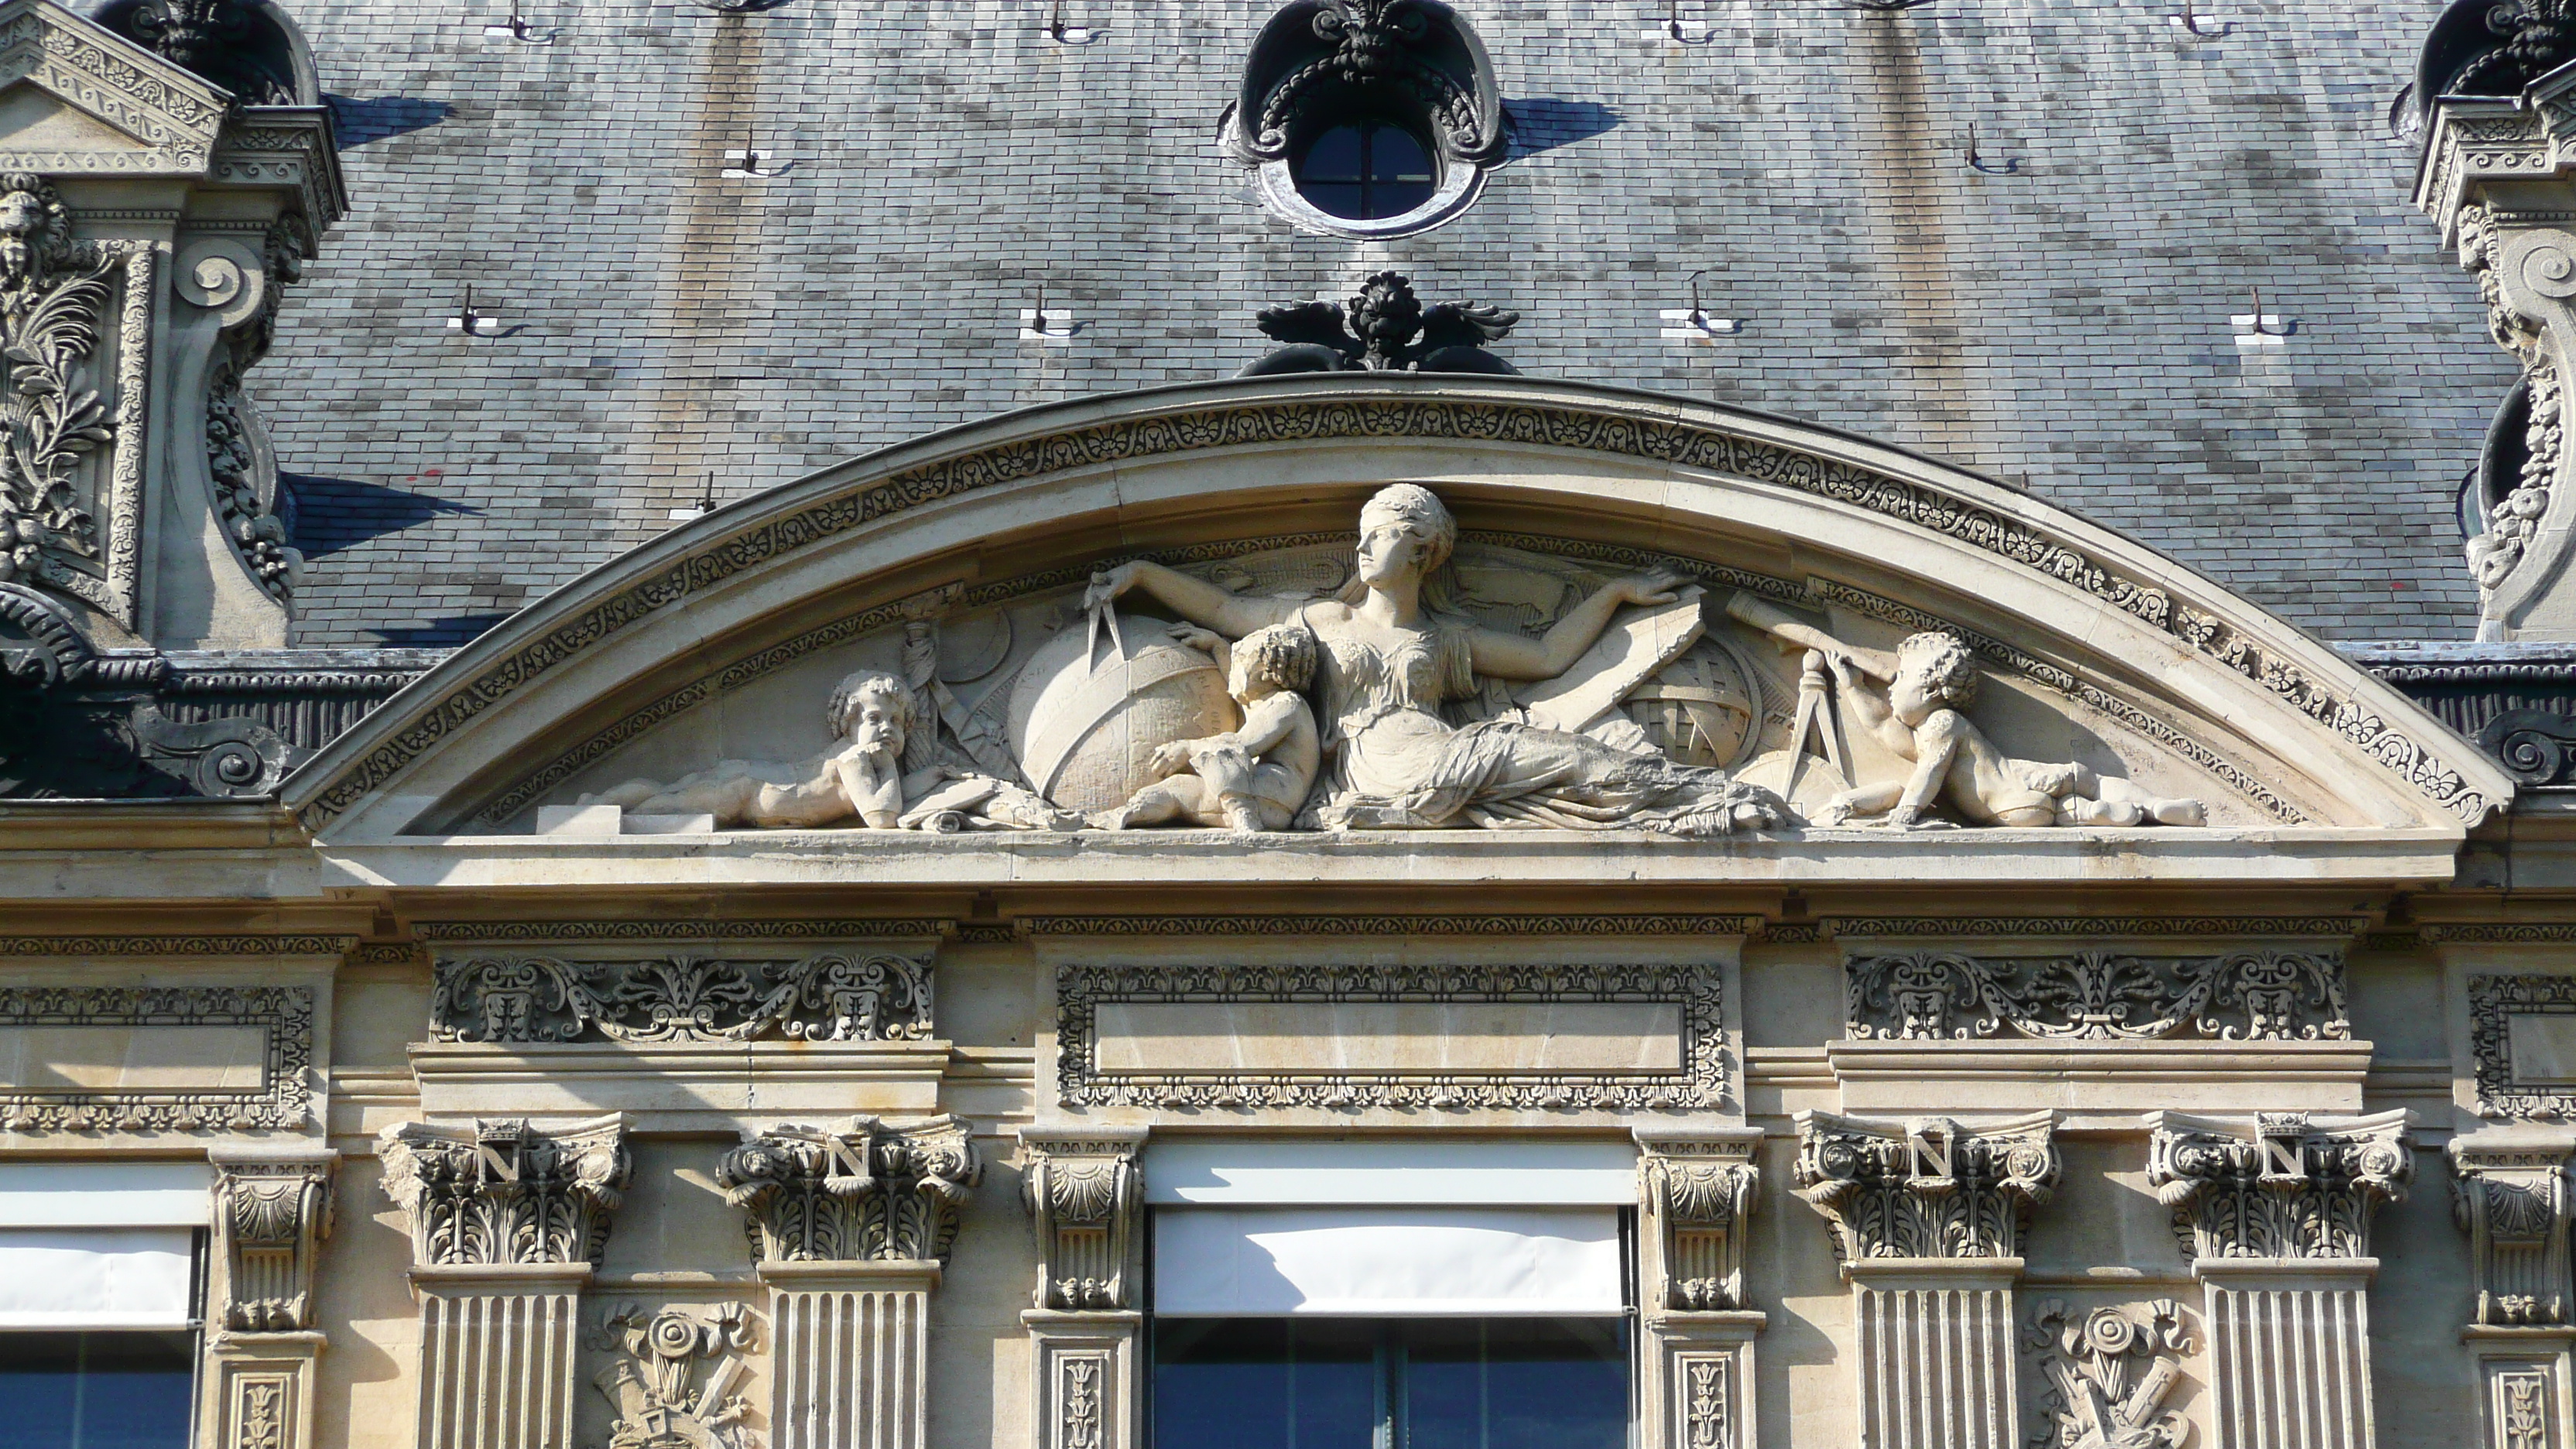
2064 327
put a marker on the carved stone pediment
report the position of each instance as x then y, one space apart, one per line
77 100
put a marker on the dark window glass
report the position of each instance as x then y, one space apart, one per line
1366 170
95 1390
1426 1383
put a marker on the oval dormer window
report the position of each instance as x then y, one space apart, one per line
1367 118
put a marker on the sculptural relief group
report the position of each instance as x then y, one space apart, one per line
1403 682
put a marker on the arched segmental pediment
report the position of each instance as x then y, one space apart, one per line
722 638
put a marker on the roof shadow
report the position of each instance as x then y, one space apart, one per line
358 122
326 515
436 633
1543 123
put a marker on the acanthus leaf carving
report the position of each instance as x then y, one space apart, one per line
1698 1191
875 1192
2511 1194
503 1192
54 293
1085 1195
1928 1188
2105 1375
854 995
2282 1185
2264 995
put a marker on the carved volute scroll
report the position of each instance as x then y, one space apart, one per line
838 995
1927 1188
2509 1193
272 1210
504 1193
1698 1190
2280 1185
1085 1194
2264 995
875 1192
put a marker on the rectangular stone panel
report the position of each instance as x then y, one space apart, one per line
133 1058
2544 1049
1390 1036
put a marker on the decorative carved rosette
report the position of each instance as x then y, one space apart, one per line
271 1214
2267 995
875 1192
1085 1195
503 1192
1697 1192
2283 1185
837 995
2510 1194
1927 1188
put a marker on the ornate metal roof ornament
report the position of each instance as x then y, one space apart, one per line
1383 329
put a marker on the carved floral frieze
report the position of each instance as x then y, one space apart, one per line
503 1192
2266 995
873 1192
2280 1185
2104 1376
1702 1081
852 995
280 1100
1928 1188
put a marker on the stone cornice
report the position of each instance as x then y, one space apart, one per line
1390 925
678 932
172 115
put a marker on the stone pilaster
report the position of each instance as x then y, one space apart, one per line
1928 1219
272 1209
1696 1190
2510 1194
1085 1192
850 1230
507 1224
2275 1213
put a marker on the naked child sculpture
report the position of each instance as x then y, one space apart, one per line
1248 780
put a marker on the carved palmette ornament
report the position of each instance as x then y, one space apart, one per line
1928 1188
838 995
1084 1198
2512 1199
873 1192
1697 1195
2098 996
270 1220
2104 1376
503 1192
2281 1186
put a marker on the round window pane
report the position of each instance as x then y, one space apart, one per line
1366 171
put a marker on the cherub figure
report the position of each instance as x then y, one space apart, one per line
1932 678
1252 779
870 715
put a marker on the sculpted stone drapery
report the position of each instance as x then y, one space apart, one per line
842 995
1393 655
2282 1186
2097 996
1926 1189
505 1193
876 1192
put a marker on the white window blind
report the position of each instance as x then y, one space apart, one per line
99 1245
95 1277
1385 1262
1423 1174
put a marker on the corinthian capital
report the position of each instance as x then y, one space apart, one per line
503 1192
875 1191
2280 1184
2509 1193
1084 1192
272 1211
1927 1188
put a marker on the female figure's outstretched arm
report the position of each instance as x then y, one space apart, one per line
1509 656
1196 600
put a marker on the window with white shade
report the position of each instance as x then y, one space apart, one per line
101 1275
1379 1295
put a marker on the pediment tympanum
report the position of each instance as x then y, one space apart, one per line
1583 613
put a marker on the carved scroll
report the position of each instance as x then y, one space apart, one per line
504 1193
2098 996
875 1192
836 995
1085 1195
1927 1188
272 1210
